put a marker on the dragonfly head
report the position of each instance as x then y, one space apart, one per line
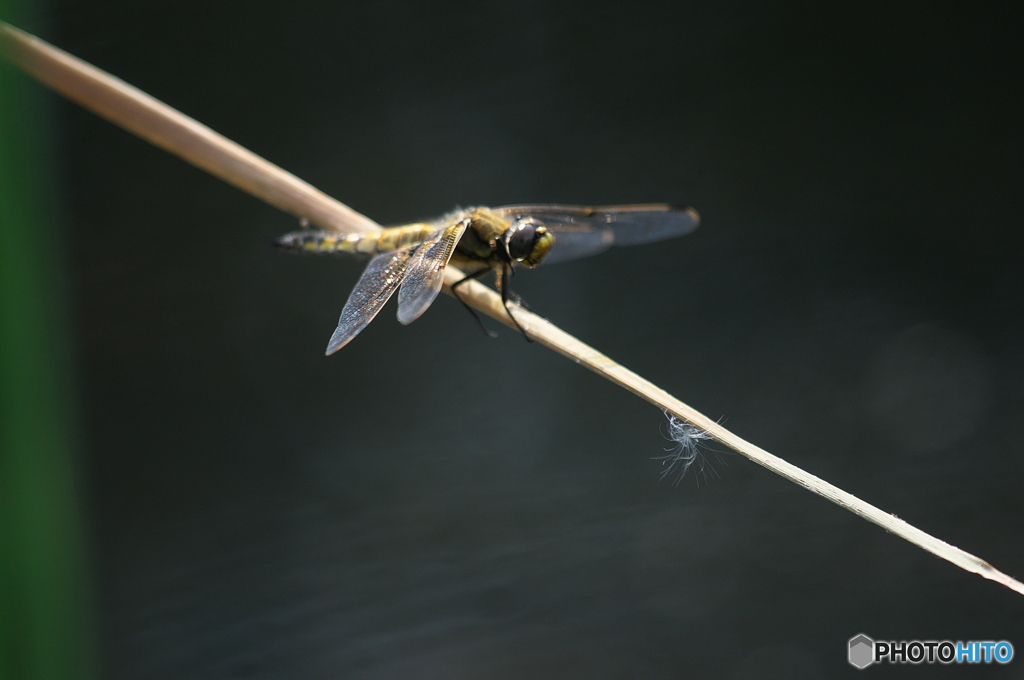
528 241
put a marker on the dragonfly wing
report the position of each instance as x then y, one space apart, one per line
634 225
378 283
573 242
628 224
425 272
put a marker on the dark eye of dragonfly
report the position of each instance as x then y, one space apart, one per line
523 236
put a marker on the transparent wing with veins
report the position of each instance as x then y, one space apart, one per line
375 287
425 272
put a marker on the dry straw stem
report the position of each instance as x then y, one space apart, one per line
156 122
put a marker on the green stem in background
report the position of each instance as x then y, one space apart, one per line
44 612
149 118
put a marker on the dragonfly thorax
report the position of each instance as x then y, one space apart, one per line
498 240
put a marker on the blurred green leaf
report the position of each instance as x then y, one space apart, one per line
45 629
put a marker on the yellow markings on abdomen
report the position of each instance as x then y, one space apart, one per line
369 242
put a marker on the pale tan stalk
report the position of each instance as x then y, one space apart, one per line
154 121
150 119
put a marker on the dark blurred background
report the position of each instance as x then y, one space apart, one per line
432 504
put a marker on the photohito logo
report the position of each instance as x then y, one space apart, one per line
863 651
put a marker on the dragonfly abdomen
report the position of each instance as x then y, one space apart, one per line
369 242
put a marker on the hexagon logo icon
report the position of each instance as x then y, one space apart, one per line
862 651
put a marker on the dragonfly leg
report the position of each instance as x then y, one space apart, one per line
504 274
518 299
455 292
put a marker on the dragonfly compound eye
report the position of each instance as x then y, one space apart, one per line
529 241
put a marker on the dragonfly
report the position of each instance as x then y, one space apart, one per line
412 258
